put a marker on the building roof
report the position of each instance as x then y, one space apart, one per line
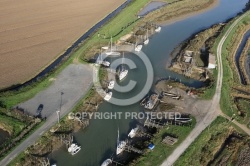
151 146
211 59
189 53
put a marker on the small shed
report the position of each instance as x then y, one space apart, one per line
187 59
211 61
169 140
189 53
151 146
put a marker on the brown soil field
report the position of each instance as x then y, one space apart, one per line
34 33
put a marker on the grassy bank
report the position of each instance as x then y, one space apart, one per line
230 76
19 126
162 151
11 125
210 91
206 146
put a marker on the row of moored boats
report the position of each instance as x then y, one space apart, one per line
121 145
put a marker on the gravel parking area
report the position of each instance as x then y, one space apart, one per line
68 88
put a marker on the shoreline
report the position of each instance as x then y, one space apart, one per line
240 65
243 60
188 14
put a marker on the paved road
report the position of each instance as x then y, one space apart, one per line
214 109
74 81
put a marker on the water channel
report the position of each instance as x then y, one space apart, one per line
3 136
238 54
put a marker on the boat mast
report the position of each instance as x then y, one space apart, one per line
118 138
122 59
111 45
101 55
147 33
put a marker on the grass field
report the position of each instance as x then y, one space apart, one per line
34 33
203 149
229 77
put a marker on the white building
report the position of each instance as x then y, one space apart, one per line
211 61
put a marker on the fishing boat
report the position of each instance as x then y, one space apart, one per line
151 101
132 133
147 39
158 29
106 162
111 84
108 96
123 72
120 145
138 48
74 148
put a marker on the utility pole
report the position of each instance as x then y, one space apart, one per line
58 112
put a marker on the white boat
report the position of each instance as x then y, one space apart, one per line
106 162
138 48
132 133
108 96
106 63
158 29
100 61
73 149
105 47
120 145
124 72
147 39
111 84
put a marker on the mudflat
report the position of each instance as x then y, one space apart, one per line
34 33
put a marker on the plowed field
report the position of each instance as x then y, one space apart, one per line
33 33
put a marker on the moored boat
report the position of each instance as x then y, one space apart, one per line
158 29
147 39
132 133
108 96
138 48
111 84
123 72
107 162
74 149
120 145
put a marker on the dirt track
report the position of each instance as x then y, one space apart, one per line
33 33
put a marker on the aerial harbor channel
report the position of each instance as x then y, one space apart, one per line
99 139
